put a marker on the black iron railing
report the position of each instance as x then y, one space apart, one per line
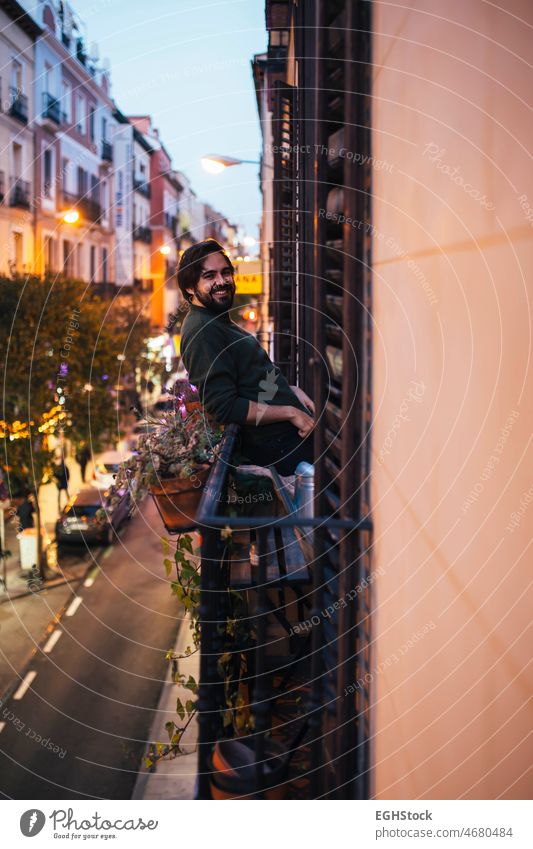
171 222
141 186
2 186
89 208
321 704
18 106
51 108
107 151
20 194
142 234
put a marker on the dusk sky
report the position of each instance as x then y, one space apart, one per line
188 65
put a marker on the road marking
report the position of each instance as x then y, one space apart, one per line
2 726
107 552
54 637
74 606
26 684
91 577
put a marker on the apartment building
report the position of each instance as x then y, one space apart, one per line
18 32
74 153
164 194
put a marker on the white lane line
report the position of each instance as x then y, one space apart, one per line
91 577
26 684
107 552
74 606
54 637
2 726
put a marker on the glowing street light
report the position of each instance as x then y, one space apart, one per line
164 250
215 163
249 241
71 216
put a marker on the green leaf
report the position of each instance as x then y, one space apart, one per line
166 546
189 706
191 685
186 542
180 710
148 763
170 729
168 566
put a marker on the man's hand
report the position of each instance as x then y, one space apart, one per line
304 399
301 420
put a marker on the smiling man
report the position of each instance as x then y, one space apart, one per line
236 379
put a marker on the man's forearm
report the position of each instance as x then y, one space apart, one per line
262 414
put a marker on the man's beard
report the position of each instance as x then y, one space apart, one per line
219 304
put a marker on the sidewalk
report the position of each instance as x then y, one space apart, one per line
173 778
17 581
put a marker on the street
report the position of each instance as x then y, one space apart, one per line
76 727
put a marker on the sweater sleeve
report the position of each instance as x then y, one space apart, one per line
211 368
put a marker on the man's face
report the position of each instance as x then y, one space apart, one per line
215 289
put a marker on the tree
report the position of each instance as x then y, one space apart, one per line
63 351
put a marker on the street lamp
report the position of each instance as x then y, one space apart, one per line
164 250
215 163
71 216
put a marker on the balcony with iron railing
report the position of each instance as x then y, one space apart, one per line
142 234
107 152
89 208
141 186
20 194
51 108
18 105
276 645
171 222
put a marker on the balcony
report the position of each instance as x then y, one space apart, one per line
20 194
171 222
2 186
142 234
107 152
18 105
51 109
276 681
141 187
89 208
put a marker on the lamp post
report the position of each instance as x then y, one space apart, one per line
216 163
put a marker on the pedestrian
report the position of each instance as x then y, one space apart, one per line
61 475
237 381
83 455
25 512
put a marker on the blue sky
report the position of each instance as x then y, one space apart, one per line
188 65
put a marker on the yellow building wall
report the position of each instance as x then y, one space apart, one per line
452 482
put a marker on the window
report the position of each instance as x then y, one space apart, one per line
92 124
67 258
279 38
65 166
79 261
17 77
49 250
104 265
66 102
47 174
18 251
95 189
92 263
17 160
103 198
82 182
81 122
48 79
104 129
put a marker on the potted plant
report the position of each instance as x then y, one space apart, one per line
173 461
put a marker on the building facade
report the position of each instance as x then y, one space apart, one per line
74 153
18 32
400 251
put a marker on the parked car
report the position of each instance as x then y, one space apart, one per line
79 521
106 466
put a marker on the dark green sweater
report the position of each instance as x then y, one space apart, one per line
230 368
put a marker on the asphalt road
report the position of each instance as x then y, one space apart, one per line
80 728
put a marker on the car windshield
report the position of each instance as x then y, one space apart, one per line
79 510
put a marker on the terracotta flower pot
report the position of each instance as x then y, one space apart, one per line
233 770
177 499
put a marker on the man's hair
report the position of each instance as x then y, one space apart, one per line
190 265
